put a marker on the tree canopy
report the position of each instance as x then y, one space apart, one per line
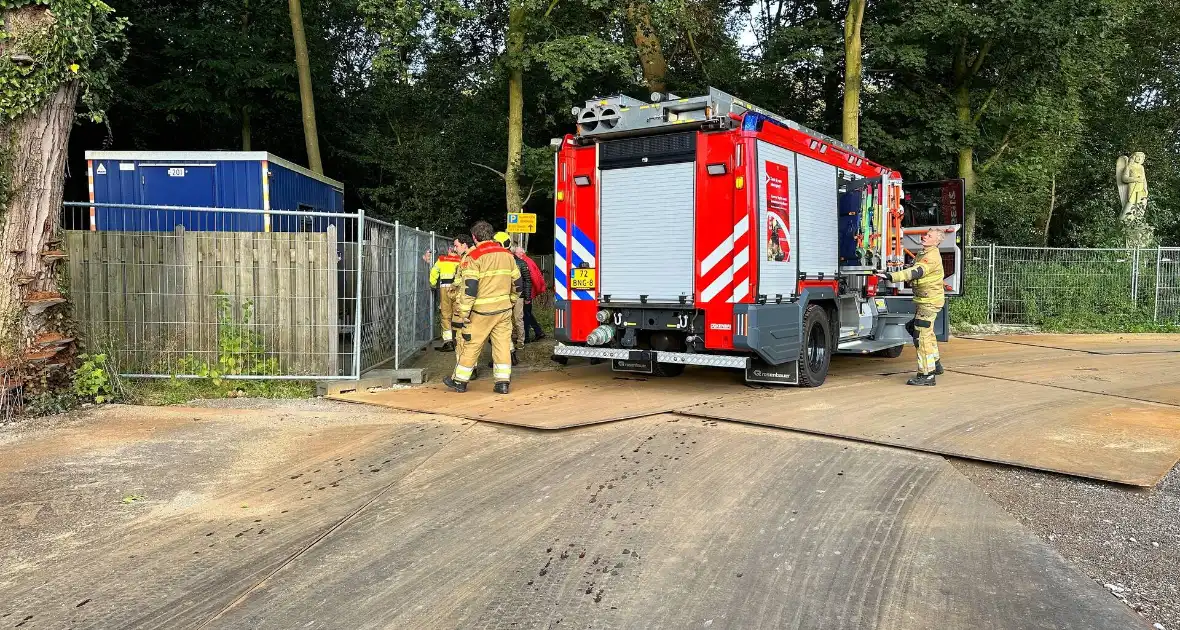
1031 101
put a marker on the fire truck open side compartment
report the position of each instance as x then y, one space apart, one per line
706 231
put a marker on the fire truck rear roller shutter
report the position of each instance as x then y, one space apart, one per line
818 219
647 218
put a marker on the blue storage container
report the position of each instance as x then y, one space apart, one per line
215 179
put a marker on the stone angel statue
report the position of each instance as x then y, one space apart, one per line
1132 183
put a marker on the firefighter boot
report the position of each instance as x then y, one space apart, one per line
938 368
514 359
501 387
457 386
448 346
922 380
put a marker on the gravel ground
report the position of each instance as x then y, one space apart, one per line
1123 538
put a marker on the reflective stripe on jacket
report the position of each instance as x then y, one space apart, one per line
490 280
925 278
444 270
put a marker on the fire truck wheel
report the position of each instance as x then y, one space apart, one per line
667 369
816 353
560 360
891 353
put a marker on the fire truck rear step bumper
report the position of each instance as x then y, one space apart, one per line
683 358
865 346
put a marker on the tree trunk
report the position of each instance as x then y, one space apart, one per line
647 42
32 165
852 71
310 135
966 165
246 128
1052 206
246 135
515 51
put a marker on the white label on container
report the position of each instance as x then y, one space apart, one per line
176 172
102 169
126 166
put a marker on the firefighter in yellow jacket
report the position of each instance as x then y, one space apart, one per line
442 277
488 289
926 279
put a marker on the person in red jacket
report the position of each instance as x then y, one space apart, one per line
537 288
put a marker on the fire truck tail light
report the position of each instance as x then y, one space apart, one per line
716 169
582 180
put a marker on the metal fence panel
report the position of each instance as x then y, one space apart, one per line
1070 288
1167 285
379 265
400 310
1033 285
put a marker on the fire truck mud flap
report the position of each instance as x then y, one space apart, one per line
670 523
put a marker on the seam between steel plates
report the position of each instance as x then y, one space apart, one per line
1091 352
1064 388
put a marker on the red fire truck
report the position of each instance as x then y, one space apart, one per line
707 231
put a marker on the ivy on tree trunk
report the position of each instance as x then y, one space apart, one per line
53 51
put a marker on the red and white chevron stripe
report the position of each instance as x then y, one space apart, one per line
725 272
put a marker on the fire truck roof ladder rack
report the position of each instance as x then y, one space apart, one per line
621 115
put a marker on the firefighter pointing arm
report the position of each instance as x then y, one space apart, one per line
926 279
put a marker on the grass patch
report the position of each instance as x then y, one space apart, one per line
174 391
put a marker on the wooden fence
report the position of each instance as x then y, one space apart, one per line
227 302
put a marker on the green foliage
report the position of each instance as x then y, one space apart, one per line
59 41
93 380
412 94
177 391
240 350
48 403
209 60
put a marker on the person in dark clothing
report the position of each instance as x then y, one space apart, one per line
531 325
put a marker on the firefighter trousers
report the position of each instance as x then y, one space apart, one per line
924 339
518 324
497 327
446 308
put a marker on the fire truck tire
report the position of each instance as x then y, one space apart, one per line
560 360
816 354
667 369
891 353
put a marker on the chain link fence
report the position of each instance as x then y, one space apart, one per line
1071 288
191 292
398 307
